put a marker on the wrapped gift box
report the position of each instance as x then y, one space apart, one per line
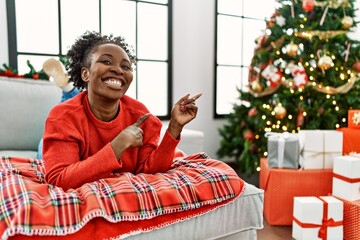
283 150
346 180
351 141
317 217
351 220
319 148
281 185
354 118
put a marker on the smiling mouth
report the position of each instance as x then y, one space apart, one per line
114 83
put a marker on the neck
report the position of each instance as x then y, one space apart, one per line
104 111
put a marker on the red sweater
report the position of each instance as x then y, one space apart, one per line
77 149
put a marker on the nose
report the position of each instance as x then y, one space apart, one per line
117 69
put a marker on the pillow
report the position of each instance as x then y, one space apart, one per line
24 106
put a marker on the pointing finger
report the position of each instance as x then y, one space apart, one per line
142 119
196 96
193 99
183 98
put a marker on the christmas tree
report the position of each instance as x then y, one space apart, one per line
304 75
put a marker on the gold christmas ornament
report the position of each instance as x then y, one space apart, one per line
347 22
291 49
256 86
280 111
325 62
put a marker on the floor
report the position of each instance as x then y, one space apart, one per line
274 232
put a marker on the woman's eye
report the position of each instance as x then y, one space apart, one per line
107 62
126 67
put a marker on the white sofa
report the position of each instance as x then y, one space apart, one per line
24 106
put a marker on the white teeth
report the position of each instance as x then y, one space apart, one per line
113 82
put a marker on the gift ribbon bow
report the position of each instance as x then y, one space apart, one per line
325 222
356 118
281 145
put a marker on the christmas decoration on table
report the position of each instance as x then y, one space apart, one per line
7 71
304 74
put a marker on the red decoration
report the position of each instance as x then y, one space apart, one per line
35 76
299 75
9 73
272 74
300 119
357 66
252 112
261 40
308 5
249 135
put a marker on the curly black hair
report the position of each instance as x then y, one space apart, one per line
80 51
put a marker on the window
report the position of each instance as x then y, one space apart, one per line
238 24
39 29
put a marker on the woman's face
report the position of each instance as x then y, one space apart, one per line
110 73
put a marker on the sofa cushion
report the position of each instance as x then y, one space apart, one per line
24 106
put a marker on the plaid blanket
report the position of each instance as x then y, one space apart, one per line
30 206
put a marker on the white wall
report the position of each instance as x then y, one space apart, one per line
193 58
193 68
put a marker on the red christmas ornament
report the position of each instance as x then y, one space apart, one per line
35 76
300 119
308 5
249 135
270 24
9 73
357 66
252 112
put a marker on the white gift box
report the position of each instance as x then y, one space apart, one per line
346 180
314 215
319 148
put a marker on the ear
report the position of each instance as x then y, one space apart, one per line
85 74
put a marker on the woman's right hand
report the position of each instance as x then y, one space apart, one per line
130 137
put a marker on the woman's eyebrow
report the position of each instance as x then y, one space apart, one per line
110 55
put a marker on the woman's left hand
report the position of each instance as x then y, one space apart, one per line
182 113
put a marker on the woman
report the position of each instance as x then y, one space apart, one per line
101 131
